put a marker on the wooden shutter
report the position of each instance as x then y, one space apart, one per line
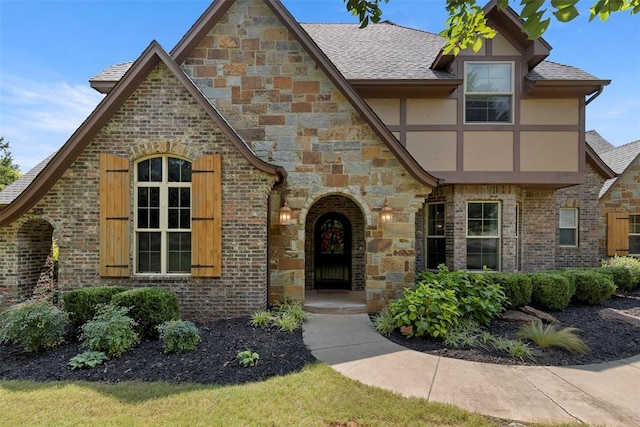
114 216
206 217
617 233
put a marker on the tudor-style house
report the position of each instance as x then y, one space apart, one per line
261 158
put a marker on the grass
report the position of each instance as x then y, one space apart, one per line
550 336
317 396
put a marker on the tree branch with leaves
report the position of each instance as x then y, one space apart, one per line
9 171
466 26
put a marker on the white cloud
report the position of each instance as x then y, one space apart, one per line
37 117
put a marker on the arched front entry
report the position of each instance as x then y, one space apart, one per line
35 259
335 245
332 252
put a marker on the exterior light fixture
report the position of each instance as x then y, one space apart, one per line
284 214
386 214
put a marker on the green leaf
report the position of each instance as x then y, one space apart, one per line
566 15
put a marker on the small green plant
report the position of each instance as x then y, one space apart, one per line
88 359
465 334
35 325
248 358
520 349
110 331
286 316
287 323
384 322
261 319
550 336
178 336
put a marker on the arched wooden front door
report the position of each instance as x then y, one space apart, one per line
332 237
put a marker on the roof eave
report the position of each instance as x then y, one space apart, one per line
564 87
401 87
601 167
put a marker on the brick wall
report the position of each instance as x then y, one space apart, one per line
162 117
584 197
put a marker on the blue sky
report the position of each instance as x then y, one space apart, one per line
49 49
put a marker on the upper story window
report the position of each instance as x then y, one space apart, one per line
163 215
488 92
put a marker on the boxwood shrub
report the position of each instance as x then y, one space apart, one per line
622 278
592 286
551 291
628 262
516 286
149 307
81 304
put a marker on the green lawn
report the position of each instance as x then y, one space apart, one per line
317 396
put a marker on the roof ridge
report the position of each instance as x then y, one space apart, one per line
387 22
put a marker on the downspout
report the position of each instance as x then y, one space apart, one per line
594 96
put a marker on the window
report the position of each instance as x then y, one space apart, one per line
568 227
163 215
483 235
634 235
436 244
488 92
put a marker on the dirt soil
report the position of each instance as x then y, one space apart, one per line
608 340
214 361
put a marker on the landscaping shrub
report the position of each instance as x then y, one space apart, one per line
628 262
621 276
81 304
111 331
516 286
150 307
438 302
286 316
551 291
592 286
34 326
550 336
178 336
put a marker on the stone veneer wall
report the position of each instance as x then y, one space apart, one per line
623 196
272 91
162 117
350 209
584 197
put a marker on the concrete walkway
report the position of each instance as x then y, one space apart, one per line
604 394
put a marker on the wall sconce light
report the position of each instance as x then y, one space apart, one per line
284 214
386 213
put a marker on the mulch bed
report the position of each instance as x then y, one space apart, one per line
213 362
608 340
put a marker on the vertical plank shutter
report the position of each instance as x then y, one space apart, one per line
114 216
206 219
617 233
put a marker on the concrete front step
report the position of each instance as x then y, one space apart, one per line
340 302
335 308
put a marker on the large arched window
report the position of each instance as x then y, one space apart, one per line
163 215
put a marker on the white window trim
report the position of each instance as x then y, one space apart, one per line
164 214
499 230
511 93
633 234
574 227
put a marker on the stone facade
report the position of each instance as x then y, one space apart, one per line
271 90
623 196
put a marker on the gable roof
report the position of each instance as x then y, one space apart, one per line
205 23
597 142
12 191
619 159
46 174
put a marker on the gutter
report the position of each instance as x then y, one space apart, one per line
595 95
